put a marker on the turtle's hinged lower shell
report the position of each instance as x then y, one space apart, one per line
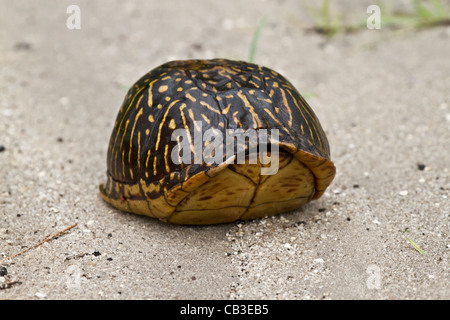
215 141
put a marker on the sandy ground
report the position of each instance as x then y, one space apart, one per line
382 96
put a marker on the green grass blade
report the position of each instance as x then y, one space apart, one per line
416 246
422 11
255 39
439 9
326 13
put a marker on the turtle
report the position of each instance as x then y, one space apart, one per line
166 156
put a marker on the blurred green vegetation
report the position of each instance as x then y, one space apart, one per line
418 14
329 20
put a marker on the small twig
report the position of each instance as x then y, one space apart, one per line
40 243
9 285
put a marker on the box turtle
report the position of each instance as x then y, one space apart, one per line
149 173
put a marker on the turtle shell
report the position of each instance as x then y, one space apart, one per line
168 156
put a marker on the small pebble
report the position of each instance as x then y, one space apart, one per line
227 24
318 260
197 46
420 166
403 193
40 295
3 271
22 46
2 148
64 100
